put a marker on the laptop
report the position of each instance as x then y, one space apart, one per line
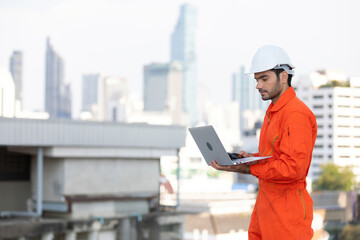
211 148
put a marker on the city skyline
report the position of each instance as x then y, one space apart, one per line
100 38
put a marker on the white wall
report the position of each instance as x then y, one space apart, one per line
111 176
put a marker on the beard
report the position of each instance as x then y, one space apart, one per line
272 93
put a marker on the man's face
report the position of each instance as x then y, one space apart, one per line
269 86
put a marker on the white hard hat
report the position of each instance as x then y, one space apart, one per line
271 57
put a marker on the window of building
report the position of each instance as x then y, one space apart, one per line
318 106
330 106
329 146
330 135
319 116
318 146
343 146
318 96
343 106
343 126
14 166
319 136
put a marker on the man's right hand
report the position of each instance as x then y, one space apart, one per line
245 154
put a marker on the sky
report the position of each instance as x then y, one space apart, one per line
119 37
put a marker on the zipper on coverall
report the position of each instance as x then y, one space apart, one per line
302 199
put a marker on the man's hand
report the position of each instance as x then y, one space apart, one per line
242 168
245 154
245 169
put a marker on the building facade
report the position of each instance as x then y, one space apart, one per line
89 91
163 87
112 94
94 180
57 93
183 49
7 94
163 93
337 111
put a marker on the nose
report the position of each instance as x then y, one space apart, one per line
258 85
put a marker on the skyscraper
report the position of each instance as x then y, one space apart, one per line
183 49
163 87
89 91
252 107
250 99
16 72
57 94
7 94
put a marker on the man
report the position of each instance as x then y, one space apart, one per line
283 208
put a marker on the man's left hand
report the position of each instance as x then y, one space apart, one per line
242 168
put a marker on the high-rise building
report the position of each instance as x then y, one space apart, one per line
89 91
250 98
235 88
57 94
16 62
183 49
7 94
111 100
163 87
337 111
66 101
252 107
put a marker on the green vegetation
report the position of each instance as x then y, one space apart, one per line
350 232
335 83
335 178
213 173
334 230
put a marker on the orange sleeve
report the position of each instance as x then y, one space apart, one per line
293 155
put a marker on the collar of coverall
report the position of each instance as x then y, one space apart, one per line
283 99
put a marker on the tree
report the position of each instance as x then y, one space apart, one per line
335 83
334 177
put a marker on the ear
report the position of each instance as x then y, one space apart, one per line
284 77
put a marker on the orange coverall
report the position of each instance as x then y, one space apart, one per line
284 208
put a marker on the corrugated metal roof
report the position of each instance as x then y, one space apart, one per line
30 132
